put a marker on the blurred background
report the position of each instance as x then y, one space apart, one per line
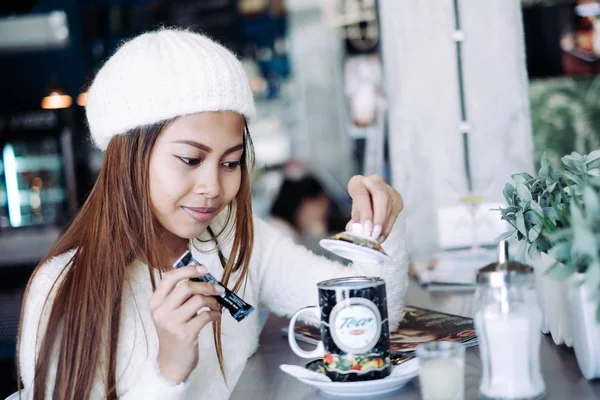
445 99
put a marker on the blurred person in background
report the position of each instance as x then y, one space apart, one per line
305 210
301 209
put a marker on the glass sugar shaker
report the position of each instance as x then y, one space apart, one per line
507 321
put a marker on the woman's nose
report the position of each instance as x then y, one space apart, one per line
208 184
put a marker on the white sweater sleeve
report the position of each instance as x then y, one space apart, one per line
288 273
150 384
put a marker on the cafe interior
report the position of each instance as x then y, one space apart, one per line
483 115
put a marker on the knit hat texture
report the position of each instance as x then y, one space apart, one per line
162 75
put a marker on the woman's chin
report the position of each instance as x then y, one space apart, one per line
192 232
185 228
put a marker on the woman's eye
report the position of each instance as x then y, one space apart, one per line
232 164
190 161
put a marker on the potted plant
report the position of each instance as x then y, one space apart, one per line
538 207
577 251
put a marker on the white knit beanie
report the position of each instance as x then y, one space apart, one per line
162 75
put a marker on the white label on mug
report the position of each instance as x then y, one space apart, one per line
355 327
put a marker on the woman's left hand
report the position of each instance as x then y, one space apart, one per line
375 204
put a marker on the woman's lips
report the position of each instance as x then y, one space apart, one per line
200 214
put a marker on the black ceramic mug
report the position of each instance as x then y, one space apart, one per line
354 329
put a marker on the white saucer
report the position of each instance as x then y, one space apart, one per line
355 246
400 377
354 252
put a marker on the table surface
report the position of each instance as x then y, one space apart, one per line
262 378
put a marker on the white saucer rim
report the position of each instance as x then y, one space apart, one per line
409 374
391 382
359 394
354 248
388 380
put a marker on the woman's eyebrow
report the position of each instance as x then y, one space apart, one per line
235 148
208 149
193 143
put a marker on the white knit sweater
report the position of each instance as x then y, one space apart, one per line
282 277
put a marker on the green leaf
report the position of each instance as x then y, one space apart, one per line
575 158
518 178
509 192
551 213
596 297
510 209
594 180
593 164
564 214
561 235
520 256
533 252
543 244
557 199
534 233
584 241
524 175
532 217
505 236
594 155
521 223
593 159
544 163
576 215
575 179
559 271
523 192
590 199
561 251
536 207
592 276
568 162
547 224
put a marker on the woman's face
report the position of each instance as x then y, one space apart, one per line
195 170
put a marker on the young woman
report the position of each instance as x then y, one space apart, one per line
105 313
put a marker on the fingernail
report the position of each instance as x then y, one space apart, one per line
368 227
219 289
201 269
203 309
349 227
377 231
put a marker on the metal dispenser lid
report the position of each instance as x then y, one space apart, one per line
503 272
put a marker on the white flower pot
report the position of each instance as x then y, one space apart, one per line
544 325
554 303
586 331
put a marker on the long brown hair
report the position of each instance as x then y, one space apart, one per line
87 308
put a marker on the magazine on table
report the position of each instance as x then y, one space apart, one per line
419 325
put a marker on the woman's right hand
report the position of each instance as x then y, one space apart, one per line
175 305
